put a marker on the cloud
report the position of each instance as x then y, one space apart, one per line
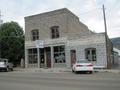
89 11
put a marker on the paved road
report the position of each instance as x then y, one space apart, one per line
59 81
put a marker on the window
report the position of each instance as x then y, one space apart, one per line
55 32
59 54
32 56
35 34
90 54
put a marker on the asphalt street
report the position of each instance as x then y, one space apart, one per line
59 81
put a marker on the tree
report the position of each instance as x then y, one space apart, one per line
11 42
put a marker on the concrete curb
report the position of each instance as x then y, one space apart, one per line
53 70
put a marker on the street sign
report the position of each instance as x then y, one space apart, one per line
39 43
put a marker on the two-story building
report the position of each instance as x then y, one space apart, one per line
58 39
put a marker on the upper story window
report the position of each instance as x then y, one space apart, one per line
90 54
35 34
55 32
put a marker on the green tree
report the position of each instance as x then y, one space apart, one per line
11 42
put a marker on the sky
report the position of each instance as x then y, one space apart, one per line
89 12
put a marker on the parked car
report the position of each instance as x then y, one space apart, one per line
5 65
82 65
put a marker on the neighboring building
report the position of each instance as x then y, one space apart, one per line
116 55
65 40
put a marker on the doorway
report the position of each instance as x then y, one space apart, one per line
73 57
48 57
45 57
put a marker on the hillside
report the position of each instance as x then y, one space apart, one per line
116 42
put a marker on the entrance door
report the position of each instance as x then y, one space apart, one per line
73 57
48 57
45 57
42 59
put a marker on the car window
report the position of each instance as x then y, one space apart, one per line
3 60
82 61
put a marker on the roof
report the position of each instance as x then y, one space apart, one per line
63 10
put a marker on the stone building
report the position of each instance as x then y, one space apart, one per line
58 39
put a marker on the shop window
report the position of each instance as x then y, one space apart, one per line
59 54
35 34
32 56
90 54
55 32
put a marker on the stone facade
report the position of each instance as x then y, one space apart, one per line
73 35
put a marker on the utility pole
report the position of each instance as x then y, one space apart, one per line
106 39
104 20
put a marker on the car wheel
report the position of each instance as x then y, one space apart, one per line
6 69
72 70
90 72
76 72
11 69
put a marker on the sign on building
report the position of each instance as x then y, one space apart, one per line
39 43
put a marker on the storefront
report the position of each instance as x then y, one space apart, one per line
46 57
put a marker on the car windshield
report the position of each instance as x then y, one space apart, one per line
83 61
3 60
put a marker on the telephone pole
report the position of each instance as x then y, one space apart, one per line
106 37
105 25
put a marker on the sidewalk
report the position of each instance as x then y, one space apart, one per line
49 70
107 70
60 70
116 67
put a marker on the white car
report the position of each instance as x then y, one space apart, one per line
5 65
82 65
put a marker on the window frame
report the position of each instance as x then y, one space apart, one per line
91 56
35 34
55 32
59 55
32 56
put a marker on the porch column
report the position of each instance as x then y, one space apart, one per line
52 57
45 60
38 57
26 58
